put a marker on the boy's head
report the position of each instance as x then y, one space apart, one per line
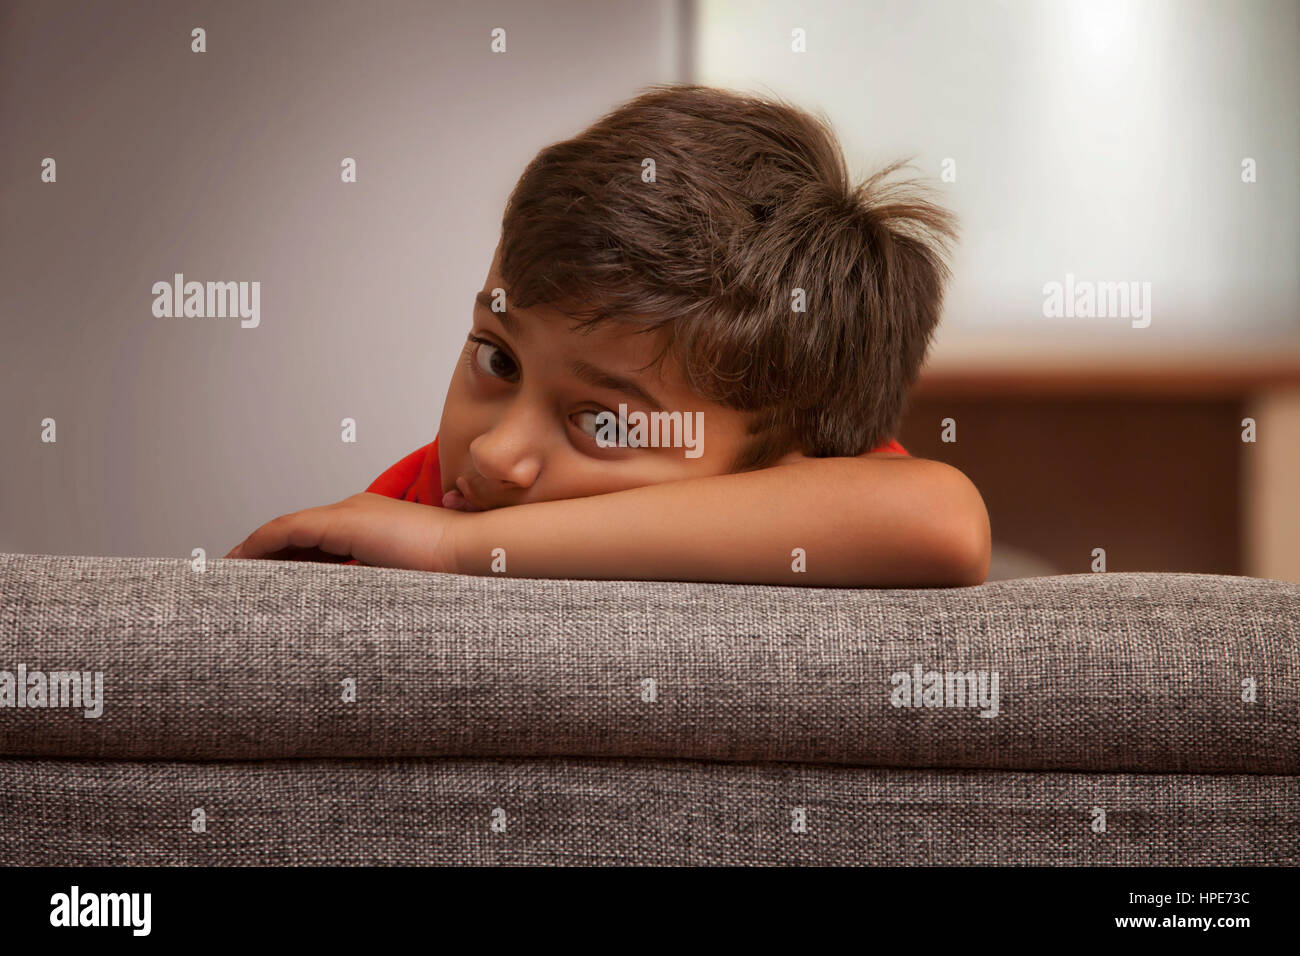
708 246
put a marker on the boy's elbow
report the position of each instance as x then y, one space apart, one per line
962 538
971 565
975 549
943 537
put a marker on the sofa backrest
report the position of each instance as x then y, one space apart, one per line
260 659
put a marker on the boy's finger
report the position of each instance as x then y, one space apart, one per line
310 554
275 536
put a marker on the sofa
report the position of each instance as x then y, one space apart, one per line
296 713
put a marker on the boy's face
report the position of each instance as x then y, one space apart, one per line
519 422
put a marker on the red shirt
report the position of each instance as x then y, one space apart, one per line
417 476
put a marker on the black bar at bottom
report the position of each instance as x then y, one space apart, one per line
545 906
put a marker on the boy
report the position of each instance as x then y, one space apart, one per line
700 253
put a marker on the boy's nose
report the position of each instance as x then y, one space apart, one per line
507 457
518 471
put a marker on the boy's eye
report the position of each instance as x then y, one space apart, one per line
494 362
610 429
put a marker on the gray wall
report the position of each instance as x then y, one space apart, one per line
175 433
1102 138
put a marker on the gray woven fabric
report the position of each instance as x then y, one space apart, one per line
568 811
1097 672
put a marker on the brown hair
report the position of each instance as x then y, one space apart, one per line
750 200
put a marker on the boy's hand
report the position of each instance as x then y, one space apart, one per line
374 529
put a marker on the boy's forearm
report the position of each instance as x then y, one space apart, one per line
860 522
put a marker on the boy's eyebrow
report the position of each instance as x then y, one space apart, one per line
591 374
600 378
509 321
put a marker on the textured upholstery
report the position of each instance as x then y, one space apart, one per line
643 722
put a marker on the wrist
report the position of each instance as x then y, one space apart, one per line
466 534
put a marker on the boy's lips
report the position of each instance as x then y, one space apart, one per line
458 499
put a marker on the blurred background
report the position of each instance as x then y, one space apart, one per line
1081 141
